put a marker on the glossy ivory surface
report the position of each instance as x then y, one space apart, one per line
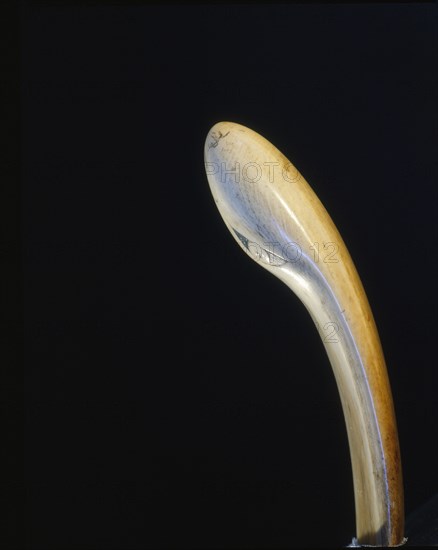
277 219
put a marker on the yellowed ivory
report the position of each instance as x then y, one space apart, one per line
277 219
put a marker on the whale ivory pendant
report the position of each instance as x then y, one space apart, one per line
277 219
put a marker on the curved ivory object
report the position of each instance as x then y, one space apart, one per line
276 218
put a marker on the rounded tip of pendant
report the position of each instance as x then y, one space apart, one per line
218 133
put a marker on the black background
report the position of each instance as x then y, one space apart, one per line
176 394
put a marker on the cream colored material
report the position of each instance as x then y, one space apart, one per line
277 219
